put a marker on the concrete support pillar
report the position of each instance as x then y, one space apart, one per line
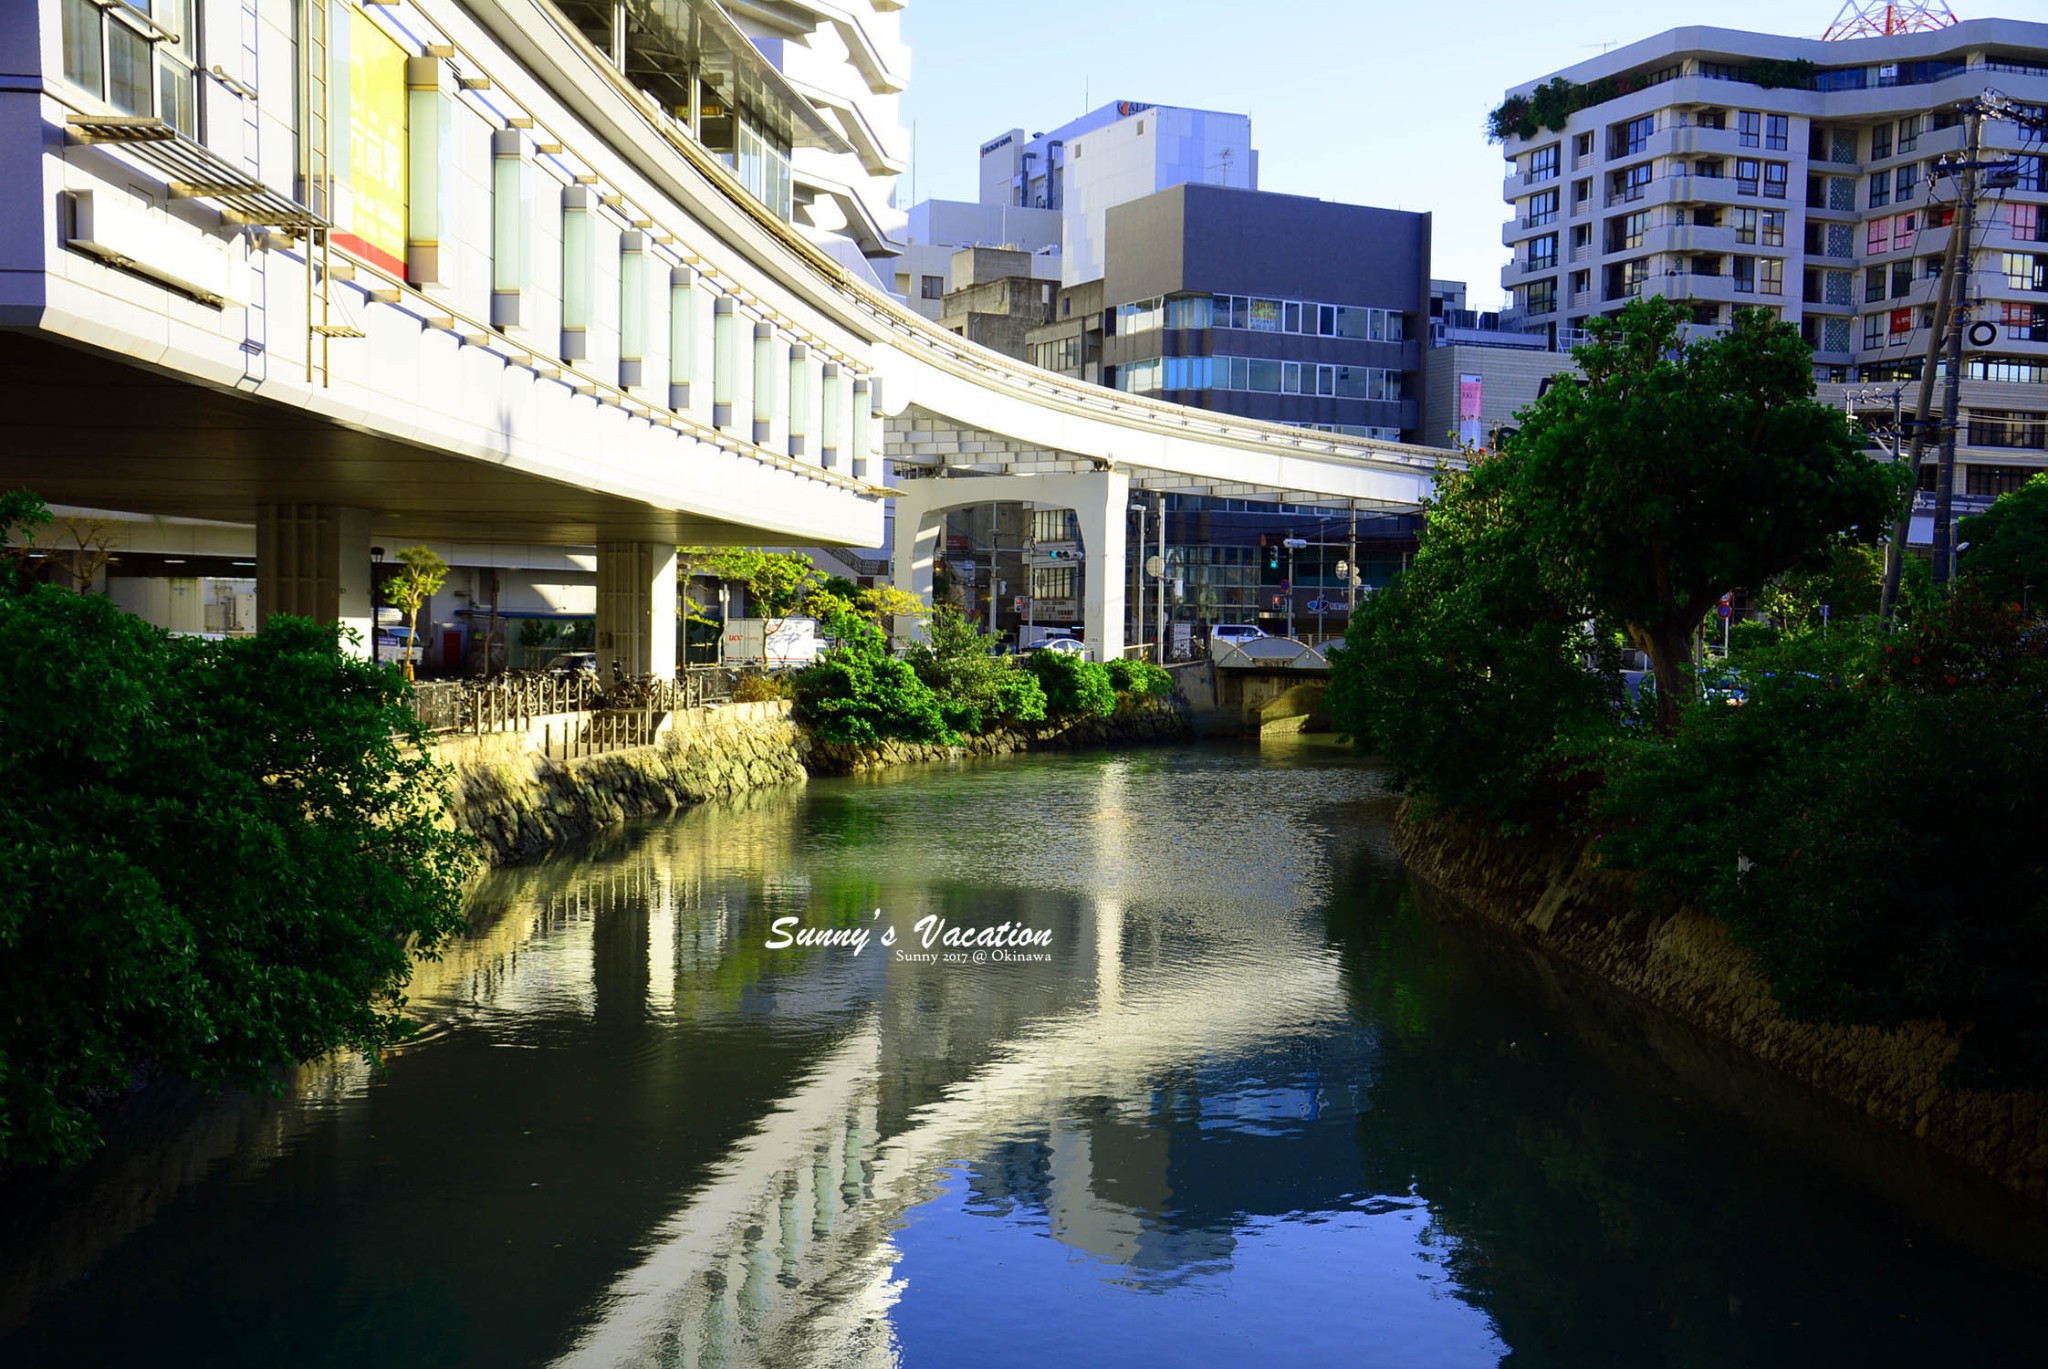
1098 499
1101 509
636 608
313 560
913 546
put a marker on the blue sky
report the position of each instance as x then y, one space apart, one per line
1367 101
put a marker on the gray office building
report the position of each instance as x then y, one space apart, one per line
1275 307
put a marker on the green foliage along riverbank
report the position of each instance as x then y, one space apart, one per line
222 855
952 685
1857 802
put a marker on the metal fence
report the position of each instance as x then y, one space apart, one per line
612 730
512 703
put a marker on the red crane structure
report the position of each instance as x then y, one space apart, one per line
1872 19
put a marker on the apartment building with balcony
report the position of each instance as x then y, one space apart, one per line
1732 170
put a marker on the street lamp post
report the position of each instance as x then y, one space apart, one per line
1293 545
376 596
1159 512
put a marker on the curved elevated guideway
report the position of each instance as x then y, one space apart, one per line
567 322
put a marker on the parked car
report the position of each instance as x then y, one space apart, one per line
1065 646
571 663
1236 632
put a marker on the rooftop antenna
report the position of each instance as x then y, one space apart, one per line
1879 19
1602 46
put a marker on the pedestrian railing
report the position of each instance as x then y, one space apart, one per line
515 702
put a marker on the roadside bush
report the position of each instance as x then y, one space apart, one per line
222 856
1073 687
859 694
1140 677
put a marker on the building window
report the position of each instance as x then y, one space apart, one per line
1873 330
1880 188
1776 127
1748 175
1745 275
1543 253
1540 297
1745 222
137 55
1626 140
1774 228
1749 127
2026 271
1626 234
1770 276
1542 164
1877 237
1542 209
1903 231
933 287
1873 284
1904 180
2007 428
1902 325
1775 180
1582 147
1902 279
1880 142
1909 133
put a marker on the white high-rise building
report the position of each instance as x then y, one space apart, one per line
1113 155
849 59
1805 176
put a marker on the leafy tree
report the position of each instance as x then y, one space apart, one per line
1674 472
420 579
222 856
2008 553
776 581
1847 576
1468 674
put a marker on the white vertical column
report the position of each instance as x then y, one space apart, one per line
636 608
682 335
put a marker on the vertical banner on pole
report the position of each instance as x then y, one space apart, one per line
1469 431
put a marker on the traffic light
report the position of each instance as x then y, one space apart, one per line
1272 558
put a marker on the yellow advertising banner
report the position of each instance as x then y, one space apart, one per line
372 222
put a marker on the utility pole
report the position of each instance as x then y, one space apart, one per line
1959 290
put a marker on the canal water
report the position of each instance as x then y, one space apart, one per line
1245 1097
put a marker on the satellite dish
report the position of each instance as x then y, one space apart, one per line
1155 565
1983 333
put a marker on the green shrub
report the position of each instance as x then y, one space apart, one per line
1128 676
1870 830
860 694
219 853
1073 687
975 688
1750 636
1019 696
754 689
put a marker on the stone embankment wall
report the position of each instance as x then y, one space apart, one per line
1683 962
519 804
